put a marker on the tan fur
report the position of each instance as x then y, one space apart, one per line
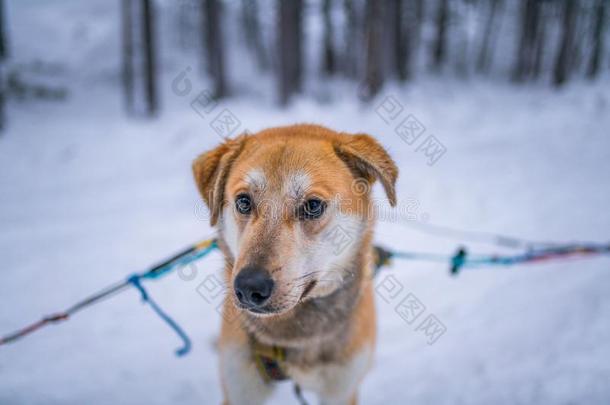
322 307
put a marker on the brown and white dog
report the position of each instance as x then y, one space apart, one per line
278 198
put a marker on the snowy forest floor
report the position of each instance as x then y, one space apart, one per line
88 196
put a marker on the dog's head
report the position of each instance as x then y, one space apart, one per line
293 208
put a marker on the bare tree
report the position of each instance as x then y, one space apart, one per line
351 56
290 48
539 42
526 50
485 57
599 19
439 49
373 36
3 35
252 32
463 10
3 57
150 66
128 68
139 60
413 20
328 48
400 39
298 54
187 24
213 40
562 64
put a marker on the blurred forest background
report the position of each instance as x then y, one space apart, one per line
105 103
364 42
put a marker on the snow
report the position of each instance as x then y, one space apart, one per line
89 196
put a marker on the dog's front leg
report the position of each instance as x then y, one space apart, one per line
241 380
340 383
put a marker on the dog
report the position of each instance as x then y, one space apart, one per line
299 300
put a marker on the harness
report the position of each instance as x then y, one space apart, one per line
269 360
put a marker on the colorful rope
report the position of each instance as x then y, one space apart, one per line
189 255
461 259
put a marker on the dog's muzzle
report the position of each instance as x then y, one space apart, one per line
253 287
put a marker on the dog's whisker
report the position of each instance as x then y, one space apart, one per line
308 274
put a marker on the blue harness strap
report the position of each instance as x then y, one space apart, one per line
135 281
190 255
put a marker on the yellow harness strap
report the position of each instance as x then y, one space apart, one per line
269 360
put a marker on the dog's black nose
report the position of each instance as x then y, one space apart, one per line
253 287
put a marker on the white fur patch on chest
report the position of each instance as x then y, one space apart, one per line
334 382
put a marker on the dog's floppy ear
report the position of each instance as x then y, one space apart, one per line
211 170
366 158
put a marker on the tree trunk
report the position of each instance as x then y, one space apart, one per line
285 50
3 57
576 59
128 68
150 66
598 38
3 36
527 42
374 47
485 57
350 60
252 32
539 44
139 63
400 38
462 43
328 50
439 50
562 64
213 40
290 48
413 18
298 35
187 24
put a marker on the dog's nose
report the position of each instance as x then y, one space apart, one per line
253 286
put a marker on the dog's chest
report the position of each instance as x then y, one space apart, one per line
330 373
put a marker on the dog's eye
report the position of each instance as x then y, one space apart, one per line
312 209
243 204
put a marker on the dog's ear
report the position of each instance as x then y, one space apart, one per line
366 158
211 170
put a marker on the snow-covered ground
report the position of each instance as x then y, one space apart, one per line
88 196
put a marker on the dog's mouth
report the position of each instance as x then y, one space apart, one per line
267 310
307 290
260 311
